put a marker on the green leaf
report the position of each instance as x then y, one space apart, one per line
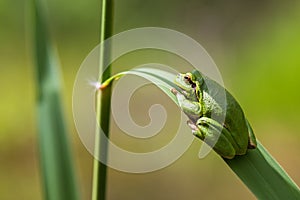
263 175
257 169
162 79
55 157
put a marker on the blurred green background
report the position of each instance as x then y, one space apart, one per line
255 44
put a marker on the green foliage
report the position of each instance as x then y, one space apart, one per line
263 175
55 157
257 169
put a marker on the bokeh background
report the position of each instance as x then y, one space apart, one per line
255 44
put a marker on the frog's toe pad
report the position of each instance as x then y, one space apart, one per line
192 125
174 91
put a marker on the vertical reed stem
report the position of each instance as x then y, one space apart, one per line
102 105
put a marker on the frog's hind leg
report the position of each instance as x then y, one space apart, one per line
251 140
195 130
212 133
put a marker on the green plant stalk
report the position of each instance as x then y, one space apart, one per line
258 170
55 158
102 105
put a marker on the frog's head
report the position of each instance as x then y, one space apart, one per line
185 81
190 84
189 80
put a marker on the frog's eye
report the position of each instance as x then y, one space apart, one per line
186 77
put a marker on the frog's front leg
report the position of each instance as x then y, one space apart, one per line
215 135
191 108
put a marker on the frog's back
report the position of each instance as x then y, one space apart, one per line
213 97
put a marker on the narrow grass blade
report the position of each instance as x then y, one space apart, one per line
257 169
263 175
55 158
103 104
160 78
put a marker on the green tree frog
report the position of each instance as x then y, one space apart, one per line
210 117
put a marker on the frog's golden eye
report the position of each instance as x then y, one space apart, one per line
186 77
